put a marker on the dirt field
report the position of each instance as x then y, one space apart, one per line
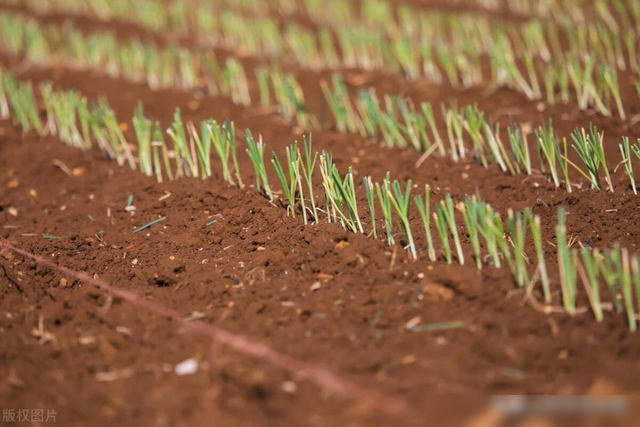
258 318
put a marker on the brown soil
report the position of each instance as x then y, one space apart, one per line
98 359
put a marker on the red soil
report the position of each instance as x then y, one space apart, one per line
101 360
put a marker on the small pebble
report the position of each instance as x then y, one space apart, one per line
289 387
187 367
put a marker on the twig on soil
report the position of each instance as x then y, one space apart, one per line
425 156
393 258
376 319
144 227
532 283
43 335
433 327
115 375
64 168
544 308
13 281
254 275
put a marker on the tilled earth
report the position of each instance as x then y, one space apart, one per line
337 301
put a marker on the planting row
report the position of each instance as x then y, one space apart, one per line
185 150
403 125
394 119
528 57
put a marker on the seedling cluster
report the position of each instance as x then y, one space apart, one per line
184 150
395 119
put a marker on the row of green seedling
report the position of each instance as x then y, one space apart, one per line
70 118
615 267
401 124
362 46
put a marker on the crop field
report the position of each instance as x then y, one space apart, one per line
315 212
